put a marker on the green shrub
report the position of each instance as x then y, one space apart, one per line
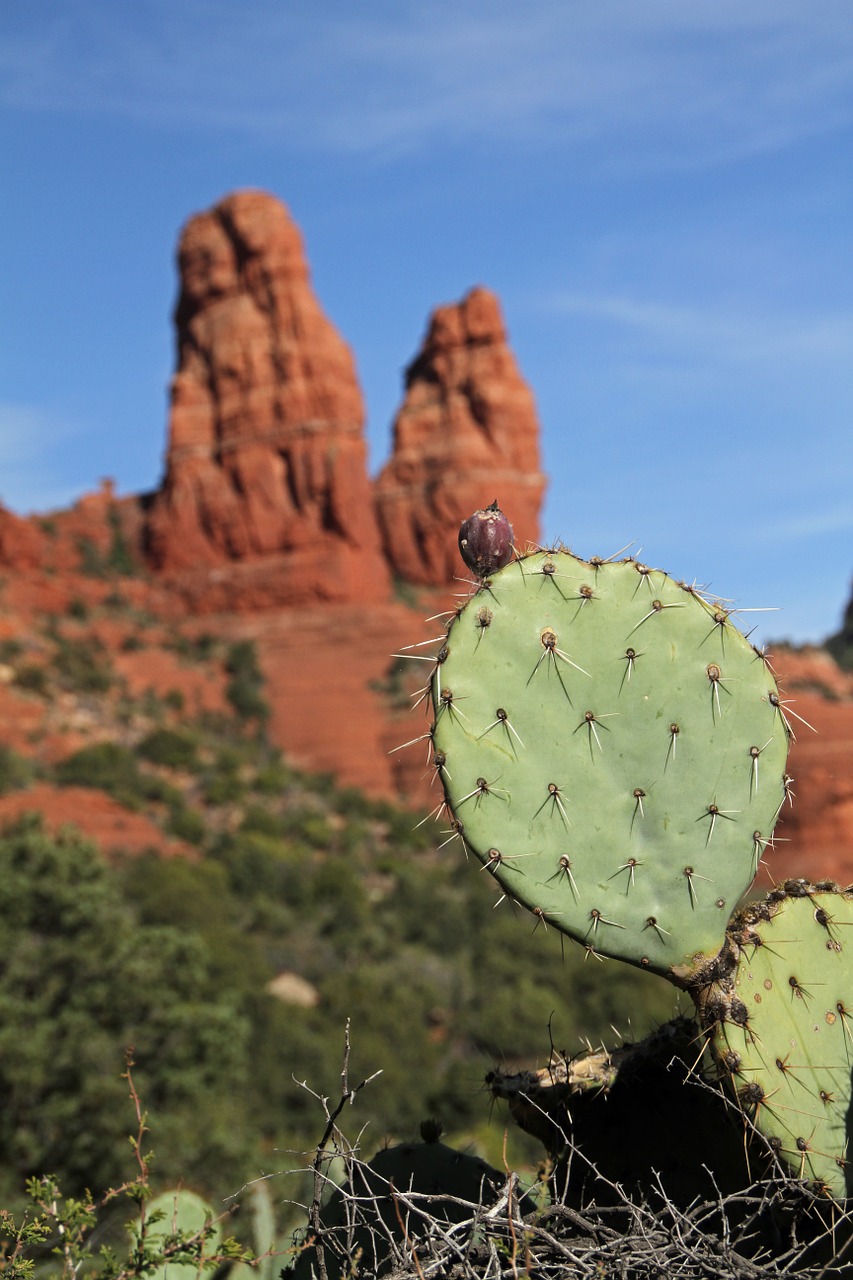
247 699
82 665
187 824
224 788
352 803
259 819
310 826
91 559
120 559
169 747
245 688
77 608
200 648
262 867
194 897
82 978
273 779
158 790
32 677
15 771
107 766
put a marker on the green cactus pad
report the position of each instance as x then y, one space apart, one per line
185 1213
781 1025
612 750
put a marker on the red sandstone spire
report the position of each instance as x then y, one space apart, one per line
266 453
467 432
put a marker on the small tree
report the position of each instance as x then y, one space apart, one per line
81 980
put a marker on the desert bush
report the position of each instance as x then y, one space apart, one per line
77 608
174 699
120 558
170 747
107 766
16 771
117 560
273 777
187 824
82 666
260 865
32 677
245 689
224 788
199 648
258 818
91 558
82 978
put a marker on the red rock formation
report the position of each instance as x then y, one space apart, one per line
815 831
84 538
96 816
266 457
467 433
20 542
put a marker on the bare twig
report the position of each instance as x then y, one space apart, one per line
348 1095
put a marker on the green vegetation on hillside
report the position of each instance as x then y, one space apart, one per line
233 971
83 979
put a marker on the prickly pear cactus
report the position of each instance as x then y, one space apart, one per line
612 749
268 1251
182 1212
781 1027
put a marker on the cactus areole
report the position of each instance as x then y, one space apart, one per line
485 541
612 749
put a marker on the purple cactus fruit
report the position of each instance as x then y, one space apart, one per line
485 541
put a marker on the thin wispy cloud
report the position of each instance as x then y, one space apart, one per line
661 81
733 337
29 436
816 523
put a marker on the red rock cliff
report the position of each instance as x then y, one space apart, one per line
467 433
266 482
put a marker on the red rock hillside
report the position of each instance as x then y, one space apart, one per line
266 498
467 433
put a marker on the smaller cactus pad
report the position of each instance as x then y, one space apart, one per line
781 1027
612 750
182 1212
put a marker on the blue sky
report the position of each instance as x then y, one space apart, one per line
660 191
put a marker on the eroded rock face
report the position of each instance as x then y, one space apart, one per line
467 433
815 831
266 457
